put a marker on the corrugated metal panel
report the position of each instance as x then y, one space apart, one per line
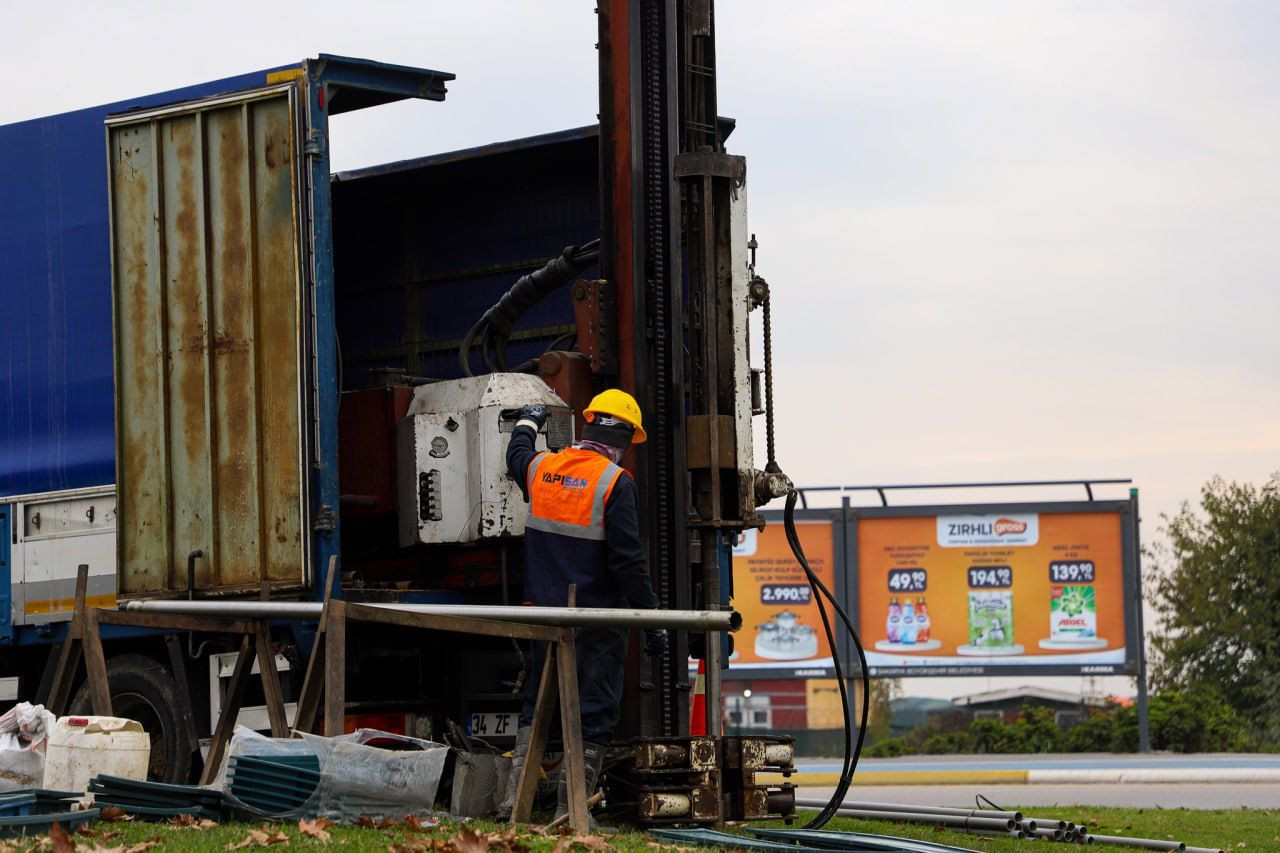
206 257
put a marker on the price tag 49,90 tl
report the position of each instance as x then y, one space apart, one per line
908 580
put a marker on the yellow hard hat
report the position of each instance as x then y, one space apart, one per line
618 404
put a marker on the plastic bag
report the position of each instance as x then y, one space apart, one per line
371 773
21 768
25 726
367 773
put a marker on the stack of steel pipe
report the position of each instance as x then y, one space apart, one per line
995 822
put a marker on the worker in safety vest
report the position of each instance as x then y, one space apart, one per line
583 529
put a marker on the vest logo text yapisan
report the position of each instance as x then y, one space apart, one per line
565 482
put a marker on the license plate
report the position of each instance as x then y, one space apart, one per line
494 724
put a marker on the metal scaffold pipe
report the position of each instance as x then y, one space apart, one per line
564 617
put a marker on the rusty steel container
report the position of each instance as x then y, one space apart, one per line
226 370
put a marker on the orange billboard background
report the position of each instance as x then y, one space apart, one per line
781 626
912 542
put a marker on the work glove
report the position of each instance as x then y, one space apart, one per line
537 414
656 642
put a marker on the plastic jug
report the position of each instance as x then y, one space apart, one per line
80 748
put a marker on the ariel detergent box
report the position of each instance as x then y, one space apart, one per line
1073 613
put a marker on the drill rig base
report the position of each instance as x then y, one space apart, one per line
699 781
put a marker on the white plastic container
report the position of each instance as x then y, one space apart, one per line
82 747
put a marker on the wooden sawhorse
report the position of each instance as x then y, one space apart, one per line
326 679
84 641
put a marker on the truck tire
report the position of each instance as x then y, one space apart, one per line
143 689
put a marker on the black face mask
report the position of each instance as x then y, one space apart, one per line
614 435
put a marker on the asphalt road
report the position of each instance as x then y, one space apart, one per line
1191 796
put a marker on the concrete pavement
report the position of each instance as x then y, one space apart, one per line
1089 769
1165 796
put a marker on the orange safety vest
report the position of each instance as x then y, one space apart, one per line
568 492
565 533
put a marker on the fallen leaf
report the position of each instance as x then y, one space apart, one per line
187 821
261 839
370 823
138 848
60 840
592 842
408 847
111 814
314 828
417 824
469 841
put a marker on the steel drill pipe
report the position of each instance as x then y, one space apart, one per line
999 824
999 833
908 807
564 617
1045 823
1145 843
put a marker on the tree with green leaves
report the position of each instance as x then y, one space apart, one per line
1216 585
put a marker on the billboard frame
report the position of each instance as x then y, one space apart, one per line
840 561
1131 584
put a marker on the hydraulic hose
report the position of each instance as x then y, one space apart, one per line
496 325
852 751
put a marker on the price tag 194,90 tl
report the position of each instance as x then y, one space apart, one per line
990 577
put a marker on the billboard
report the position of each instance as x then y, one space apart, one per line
782 634
1011 589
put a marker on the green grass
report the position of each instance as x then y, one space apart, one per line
1238 830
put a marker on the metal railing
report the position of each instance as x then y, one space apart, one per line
884 499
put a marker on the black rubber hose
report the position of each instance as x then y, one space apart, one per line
531 289
489 364
464 351
498 322
853 751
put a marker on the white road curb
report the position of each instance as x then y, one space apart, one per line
1153 775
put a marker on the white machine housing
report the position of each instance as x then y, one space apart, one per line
451 452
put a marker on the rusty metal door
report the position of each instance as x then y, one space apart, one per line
210 376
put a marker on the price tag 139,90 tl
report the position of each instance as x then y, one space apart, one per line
1072 571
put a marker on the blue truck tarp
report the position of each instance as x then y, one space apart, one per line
56 399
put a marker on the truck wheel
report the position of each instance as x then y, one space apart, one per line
144 690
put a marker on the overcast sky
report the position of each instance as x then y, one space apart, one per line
1005 240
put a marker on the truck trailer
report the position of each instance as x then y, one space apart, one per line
228 368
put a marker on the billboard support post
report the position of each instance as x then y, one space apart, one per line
1144 731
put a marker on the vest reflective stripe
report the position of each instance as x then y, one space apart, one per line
565 528
533 468
568 492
